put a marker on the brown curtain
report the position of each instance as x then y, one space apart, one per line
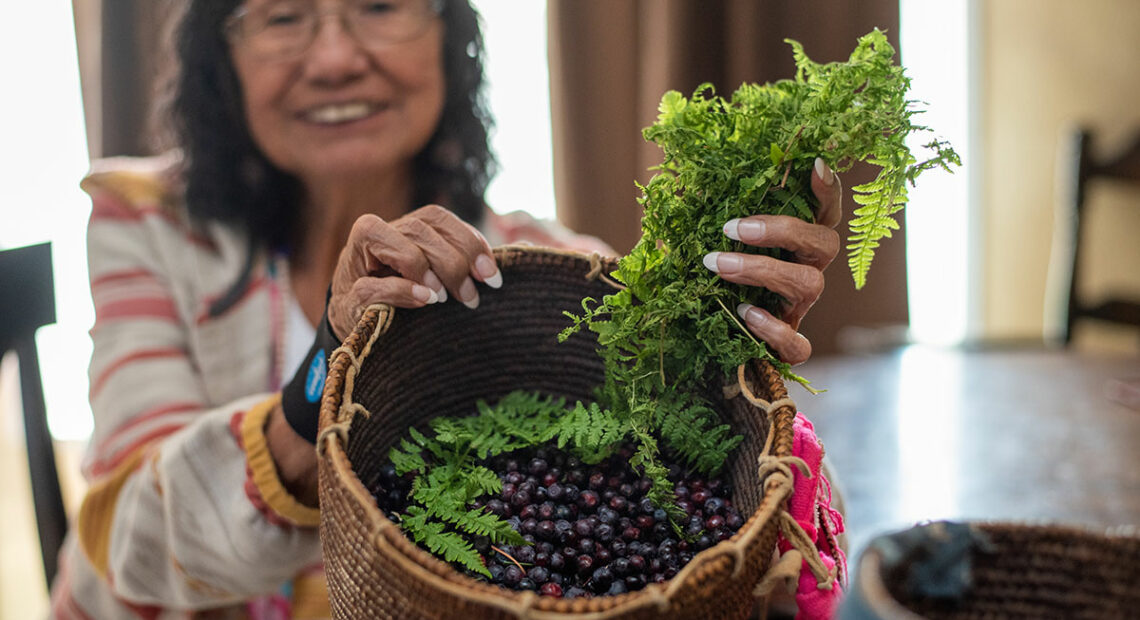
610 62
118 61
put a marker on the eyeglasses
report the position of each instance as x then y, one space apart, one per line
284 29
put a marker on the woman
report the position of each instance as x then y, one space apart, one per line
311 133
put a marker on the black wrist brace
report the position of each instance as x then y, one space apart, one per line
301 397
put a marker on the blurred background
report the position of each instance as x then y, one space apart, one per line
979 265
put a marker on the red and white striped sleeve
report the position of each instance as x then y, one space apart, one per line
184 510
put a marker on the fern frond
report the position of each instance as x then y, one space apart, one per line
873 221
433 535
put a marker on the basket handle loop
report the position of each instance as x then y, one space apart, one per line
597 270
337 429
786 570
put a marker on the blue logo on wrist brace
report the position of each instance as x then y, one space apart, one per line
315 380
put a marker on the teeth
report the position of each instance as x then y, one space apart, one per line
339 113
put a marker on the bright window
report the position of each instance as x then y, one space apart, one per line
42 158
519 94
942 249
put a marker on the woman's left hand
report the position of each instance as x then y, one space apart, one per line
800 280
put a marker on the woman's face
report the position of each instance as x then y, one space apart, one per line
340 108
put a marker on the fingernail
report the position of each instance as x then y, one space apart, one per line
487 269
433 282
710 262
721 262
745 230
468 295
824 172
424 294
731 229
751 314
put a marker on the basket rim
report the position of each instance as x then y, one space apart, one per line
336 417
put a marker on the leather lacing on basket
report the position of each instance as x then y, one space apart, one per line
774 472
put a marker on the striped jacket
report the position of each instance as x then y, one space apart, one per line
184 516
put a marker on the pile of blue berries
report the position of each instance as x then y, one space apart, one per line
590 529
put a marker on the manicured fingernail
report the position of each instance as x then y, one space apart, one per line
433 282
710 262
721 262
424 294
487 269
731 229
824 172
751 314
745 230
468 295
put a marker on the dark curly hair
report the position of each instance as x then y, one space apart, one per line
226 176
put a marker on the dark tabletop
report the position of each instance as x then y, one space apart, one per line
1025 435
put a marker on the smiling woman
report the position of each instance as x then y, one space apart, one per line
224 272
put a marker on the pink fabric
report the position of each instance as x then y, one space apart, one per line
810 506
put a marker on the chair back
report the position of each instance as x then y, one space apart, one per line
1084 170
27 302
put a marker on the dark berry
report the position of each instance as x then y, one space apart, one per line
733 520
551 589
616 588
538 574
498 507
512 575
601 578
602 556
545 530
635 581
585 563
555 491
520 498
607 515
524 554
621 566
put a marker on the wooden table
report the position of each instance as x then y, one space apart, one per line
926 433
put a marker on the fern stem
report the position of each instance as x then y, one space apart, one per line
735 319
509 557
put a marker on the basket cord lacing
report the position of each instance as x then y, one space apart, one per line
771 465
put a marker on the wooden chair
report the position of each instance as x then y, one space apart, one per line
27 302
1085 170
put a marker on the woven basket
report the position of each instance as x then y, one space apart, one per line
399 369
1020 571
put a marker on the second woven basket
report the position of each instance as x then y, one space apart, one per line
402 368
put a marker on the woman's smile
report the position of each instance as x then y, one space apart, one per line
341 113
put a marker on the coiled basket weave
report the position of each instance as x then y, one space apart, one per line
1001 570
402 368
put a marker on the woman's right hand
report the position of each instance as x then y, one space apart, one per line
411 262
